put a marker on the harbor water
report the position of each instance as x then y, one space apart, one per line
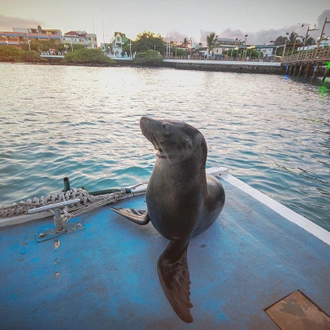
270 131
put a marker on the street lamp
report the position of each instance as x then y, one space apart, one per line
239 46
191 48
286 39
321 36
28 40
245 46
294 44
306 36
130 48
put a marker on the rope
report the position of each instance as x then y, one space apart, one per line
101 201
86 199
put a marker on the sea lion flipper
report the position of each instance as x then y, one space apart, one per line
174 277
141 217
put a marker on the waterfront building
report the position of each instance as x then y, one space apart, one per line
89 40
225 44
266 50
117 42
20 36
323 43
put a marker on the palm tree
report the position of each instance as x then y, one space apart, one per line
310 41
210 40
293 36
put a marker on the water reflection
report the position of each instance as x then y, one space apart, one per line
270 131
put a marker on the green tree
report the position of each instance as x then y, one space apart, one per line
34 44
210 41
148 40
127 48
25 46
43 46
280 41
60 47
182 52
310 41
292 37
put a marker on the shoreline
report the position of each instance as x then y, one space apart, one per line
194 65
199 65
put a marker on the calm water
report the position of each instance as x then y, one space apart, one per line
81 122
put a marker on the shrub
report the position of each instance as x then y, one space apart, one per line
9 54
14 54
148 57
30 56
85 55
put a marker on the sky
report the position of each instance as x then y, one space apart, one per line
261 20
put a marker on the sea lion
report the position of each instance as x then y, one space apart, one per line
182 201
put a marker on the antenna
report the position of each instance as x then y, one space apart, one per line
103 33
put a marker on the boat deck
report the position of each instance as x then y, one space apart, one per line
105 276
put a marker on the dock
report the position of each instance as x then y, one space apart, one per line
310 63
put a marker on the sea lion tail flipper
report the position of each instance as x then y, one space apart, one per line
174 277
141 217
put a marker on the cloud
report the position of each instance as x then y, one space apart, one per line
8 22
204 34
175 36
320 22
265 36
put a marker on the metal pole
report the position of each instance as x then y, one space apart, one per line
245 47
320 39
283 54
27 37
305 38
191 49
294 45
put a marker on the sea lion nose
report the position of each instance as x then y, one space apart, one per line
143 122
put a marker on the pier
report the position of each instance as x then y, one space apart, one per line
310 63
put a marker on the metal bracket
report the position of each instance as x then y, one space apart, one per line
50 233
61 227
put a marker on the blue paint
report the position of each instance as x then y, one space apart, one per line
249 259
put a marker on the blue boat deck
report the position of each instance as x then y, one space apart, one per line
105 276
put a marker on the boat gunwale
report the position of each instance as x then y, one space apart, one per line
222 172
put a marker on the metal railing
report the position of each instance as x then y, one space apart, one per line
308 56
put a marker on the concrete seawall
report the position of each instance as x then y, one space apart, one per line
201 65
226 66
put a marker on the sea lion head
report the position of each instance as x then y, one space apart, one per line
174 140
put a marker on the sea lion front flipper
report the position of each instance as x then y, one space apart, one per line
141 217
174 277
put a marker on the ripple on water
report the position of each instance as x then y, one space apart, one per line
272 132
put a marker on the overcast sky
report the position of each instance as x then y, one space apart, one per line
175 19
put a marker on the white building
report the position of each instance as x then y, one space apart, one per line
117 42
89 40
225 44
323 43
